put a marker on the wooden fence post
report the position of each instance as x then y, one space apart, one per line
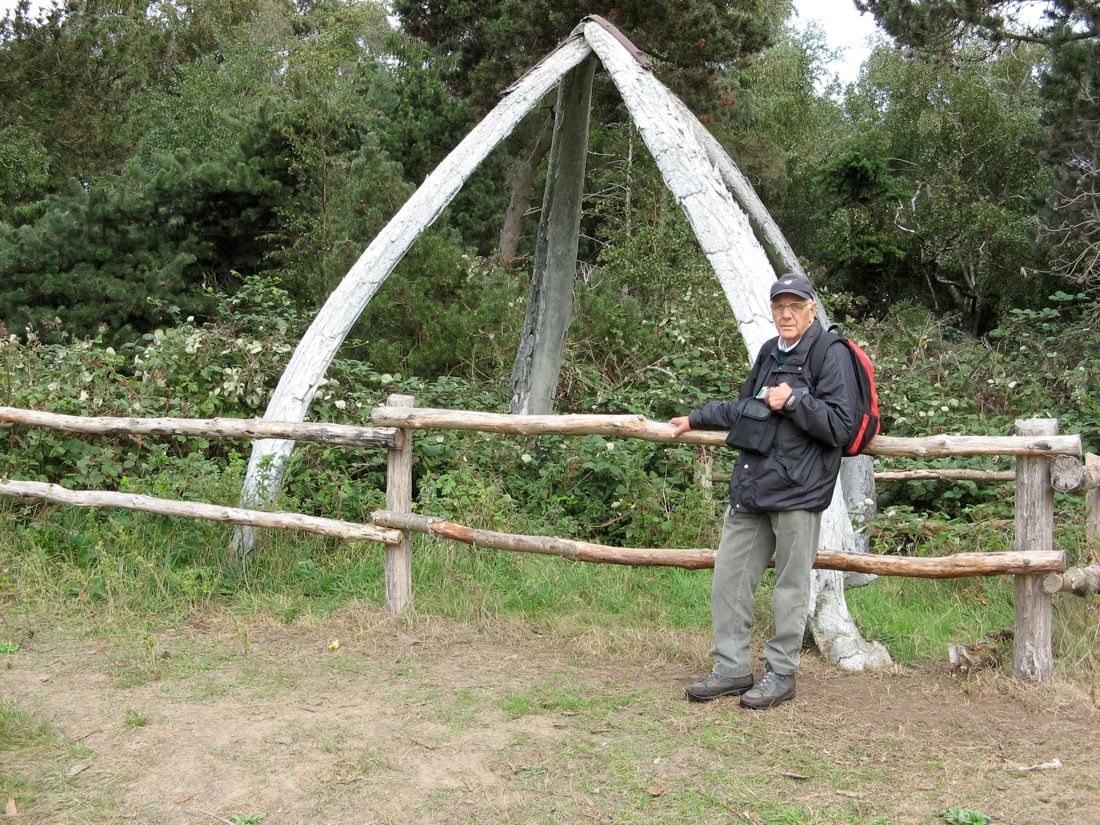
399 499
1092 506
1033 656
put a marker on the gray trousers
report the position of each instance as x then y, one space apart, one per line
749 540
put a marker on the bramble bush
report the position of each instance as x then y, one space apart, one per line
932 379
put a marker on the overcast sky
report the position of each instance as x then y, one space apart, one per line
845 28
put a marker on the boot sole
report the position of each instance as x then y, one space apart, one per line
732 692
771 703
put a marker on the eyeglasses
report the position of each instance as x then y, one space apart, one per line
795 307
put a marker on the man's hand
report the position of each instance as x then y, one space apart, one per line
777 396
681 424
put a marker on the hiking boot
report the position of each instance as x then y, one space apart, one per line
772 689
715 685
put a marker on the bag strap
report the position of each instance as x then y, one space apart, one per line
816 356
769 346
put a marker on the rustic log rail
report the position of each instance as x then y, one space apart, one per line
946 474
928 473
944 567
193 509
1081 581
638 426
1037 446
243 428
1069 475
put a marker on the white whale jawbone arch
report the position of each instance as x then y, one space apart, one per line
705 183
298 384
701 176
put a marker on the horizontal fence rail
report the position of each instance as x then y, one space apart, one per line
193 509
930 474
243 428
943 567
1069 475
946 474
1081 581
638 426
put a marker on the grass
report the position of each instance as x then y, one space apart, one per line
38 767
488 729
133 719
124 572
129 584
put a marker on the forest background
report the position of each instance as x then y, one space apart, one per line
183 184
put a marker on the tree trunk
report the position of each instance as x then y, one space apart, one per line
523 181
550 299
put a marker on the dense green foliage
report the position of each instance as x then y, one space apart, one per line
1068 33
219 141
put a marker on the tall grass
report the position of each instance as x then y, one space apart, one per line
121 570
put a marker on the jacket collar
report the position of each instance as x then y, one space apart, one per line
798 355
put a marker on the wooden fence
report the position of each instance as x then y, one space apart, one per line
1045 461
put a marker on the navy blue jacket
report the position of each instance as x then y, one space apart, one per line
800 471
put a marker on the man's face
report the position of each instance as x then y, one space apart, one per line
792 314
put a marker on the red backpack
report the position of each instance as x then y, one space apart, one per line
866 413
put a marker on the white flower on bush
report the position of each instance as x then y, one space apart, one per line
231 386
340 404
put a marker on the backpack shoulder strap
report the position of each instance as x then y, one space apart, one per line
816 356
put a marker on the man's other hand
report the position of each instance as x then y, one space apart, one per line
777 396
681 424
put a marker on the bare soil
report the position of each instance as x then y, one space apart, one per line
222 720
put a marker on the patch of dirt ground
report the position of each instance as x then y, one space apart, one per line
216 720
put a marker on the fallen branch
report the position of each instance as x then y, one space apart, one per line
1053 765
947 567
190 509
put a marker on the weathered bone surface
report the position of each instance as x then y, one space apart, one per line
315 352
550 300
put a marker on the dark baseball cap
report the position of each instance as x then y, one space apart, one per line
795 284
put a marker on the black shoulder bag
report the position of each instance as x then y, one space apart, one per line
754 423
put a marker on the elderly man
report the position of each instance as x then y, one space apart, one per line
777 494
